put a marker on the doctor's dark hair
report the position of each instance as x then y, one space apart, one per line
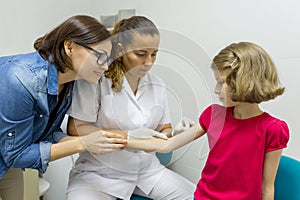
80 29
123 33
251 74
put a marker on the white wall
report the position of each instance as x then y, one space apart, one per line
209 24
216 23
193 31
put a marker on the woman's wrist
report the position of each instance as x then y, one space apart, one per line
68 146
80 147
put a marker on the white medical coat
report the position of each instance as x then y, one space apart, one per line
119 172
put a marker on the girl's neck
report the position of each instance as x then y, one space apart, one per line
246 110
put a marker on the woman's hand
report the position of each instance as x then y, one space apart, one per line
101 142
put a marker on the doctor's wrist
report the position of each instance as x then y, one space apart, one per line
168 133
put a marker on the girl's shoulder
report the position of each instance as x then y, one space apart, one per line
277 132
273 122
216 109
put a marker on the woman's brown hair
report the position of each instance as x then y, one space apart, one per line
80 29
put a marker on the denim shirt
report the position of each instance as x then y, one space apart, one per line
28 94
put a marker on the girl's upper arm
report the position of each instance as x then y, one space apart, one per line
271 162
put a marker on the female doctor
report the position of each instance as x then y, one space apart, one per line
128 98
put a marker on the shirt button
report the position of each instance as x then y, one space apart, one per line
10 134
41 116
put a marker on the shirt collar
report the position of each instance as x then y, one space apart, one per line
144 80
52 80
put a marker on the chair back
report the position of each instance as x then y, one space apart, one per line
287 182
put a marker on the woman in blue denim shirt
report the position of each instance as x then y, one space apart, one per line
36 92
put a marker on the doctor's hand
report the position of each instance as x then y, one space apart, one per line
101 142
144 133
184 124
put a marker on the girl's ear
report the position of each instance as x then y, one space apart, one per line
68 46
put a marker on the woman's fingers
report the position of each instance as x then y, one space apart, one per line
121 134
101 142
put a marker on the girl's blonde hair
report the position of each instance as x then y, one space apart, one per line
123 33
252 75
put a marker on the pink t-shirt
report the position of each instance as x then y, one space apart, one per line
234 166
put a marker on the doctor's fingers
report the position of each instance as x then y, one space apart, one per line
187 122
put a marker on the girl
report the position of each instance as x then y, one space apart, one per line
128 98
245 142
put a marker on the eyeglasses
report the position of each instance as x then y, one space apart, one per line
102 57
